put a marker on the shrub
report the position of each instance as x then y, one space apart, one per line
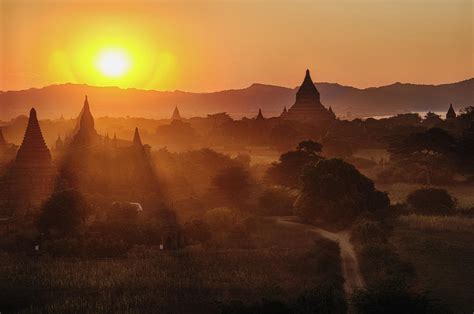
220 218
335 192
276 201
391 296
431 201
367 231
64 212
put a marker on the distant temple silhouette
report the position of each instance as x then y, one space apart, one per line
259 115
32 172
176 115
308 106
85 133
451 114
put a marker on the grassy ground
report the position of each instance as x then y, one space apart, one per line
277 263
442 252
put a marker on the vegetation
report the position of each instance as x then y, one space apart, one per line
431 201
194 279
63 213
287 170
440 250
333 191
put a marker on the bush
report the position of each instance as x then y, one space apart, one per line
368 231
335 192
431 201
391 296
378 261
64 212
276 202
220 218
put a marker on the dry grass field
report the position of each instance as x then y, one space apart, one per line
276 263
441 249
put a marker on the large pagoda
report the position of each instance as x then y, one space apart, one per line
308 107
85 133
31 177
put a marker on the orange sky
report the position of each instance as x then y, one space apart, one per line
206 46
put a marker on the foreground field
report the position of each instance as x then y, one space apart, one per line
441 250
277 263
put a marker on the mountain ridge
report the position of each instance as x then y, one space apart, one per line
66 99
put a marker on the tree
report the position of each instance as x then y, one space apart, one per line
64 212
431 201
234 184
276 202
335 192
431 149
287 170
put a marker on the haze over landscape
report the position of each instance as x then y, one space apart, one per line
236 157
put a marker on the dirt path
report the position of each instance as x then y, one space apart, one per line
350 265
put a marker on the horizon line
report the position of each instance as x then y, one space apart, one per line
229 89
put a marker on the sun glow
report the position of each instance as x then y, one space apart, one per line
113 63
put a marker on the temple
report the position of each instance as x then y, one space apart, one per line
32 172
308 107
176 115
259 115
137 141
451 114
85 133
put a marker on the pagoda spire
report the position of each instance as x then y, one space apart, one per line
176 115
260 115
307 90
3 142
451 114
136 139
85 132
33 150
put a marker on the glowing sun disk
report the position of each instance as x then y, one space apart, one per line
113 63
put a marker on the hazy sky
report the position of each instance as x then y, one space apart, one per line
206 46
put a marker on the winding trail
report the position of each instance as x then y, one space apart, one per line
350 266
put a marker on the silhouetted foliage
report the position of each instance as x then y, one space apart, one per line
64 212
431 201
369 231
334 191
431 151
391 296
287 170
234 184
276 202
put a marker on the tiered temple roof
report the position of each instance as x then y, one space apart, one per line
308 107
33 151
86 133
32 174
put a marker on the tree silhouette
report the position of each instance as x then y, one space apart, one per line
288 169
334 191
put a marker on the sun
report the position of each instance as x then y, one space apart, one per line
113 63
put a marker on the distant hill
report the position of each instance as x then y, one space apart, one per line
67 99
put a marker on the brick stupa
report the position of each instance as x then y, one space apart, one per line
32 175
308 106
